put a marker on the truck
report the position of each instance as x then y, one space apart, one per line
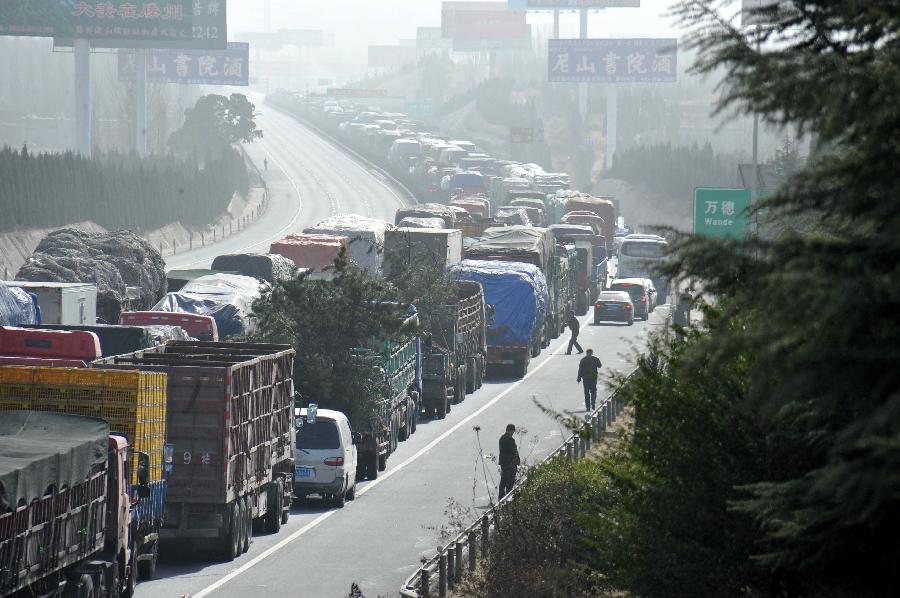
592 260
66 509
565 288
407 248
133 404
202 328
529 245
366 237
73 349
427 210
519 301
399 401
456 353
116 340
602 207
230 429
63 302
312 251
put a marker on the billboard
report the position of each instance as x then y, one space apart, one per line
474 21
613 60
430 38
570 4
167 21
390 57
209 31
199 67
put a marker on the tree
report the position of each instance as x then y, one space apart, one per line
324 320
216 123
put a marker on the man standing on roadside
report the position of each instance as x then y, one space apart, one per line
509 460
574 328
588 372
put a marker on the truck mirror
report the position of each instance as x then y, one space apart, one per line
143 469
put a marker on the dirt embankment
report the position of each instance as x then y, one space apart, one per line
17 246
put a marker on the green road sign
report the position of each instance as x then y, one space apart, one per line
420 109
721 212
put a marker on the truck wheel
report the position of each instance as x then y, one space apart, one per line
471 375
382 462
275 506
339 499
131 580
414 419
520 368
230 543
459 387
441 402
146 568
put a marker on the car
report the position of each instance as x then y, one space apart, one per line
637 289
326 456
614 306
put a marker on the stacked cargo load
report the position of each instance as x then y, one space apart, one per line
268 267
310 251
132 403
407 248
366 237
428 210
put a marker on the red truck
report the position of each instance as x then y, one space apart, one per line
202 328
230 425
65 509
602 207
53 348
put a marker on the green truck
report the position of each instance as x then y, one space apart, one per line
455 352
564 288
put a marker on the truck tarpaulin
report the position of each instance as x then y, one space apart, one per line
317 252
40 450
17 307
366 237
515 240
517 292
269 267
428 210
228 298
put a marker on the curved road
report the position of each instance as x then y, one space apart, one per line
309 179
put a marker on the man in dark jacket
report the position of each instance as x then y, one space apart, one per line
588 372
509 460
574 328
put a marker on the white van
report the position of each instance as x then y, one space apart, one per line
325 456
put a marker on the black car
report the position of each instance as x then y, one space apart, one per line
614 306
637 290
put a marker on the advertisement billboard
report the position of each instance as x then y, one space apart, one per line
209 31
199 67
166 21
613 60
570 4
475 21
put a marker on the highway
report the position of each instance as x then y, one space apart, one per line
309 179
378 539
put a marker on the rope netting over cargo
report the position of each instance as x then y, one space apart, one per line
112 261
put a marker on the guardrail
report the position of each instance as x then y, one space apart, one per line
443 571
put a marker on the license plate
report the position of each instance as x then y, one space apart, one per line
304 472
612 307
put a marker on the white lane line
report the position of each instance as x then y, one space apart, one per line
381 479
277 235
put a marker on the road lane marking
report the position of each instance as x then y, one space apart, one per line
381 479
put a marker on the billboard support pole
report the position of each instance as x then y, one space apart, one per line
555 23
582 87
612 101
83 97
140 97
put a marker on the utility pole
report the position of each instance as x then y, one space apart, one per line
83 142
140 103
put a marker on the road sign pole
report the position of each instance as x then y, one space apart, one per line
612 105
582 87
83 97
140 103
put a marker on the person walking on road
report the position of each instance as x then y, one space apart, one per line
588 372
509 460
574 327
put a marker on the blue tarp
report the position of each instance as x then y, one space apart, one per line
228 298
518 293
17 307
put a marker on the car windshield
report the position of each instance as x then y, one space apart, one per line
321 435
614 297
635 291
643 249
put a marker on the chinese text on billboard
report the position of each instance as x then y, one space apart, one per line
613 60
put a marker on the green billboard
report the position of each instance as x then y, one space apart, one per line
167 20
721 212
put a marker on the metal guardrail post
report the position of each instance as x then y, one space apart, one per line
459 562
590 436
568 450
473 549
424 589
451 567
485 537
442 575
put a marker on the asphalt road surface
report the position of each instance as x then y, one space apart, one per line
377 540
309 179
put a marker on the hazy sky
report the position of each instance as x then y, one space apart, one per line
369 22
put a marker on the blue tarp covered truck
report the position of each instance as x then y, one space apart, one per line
517 296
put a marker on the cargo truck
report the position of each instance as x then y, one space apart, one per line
134 405
406 249
230 426
399 403
23 346
602 207
66 509
63 302
456 352
517 295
